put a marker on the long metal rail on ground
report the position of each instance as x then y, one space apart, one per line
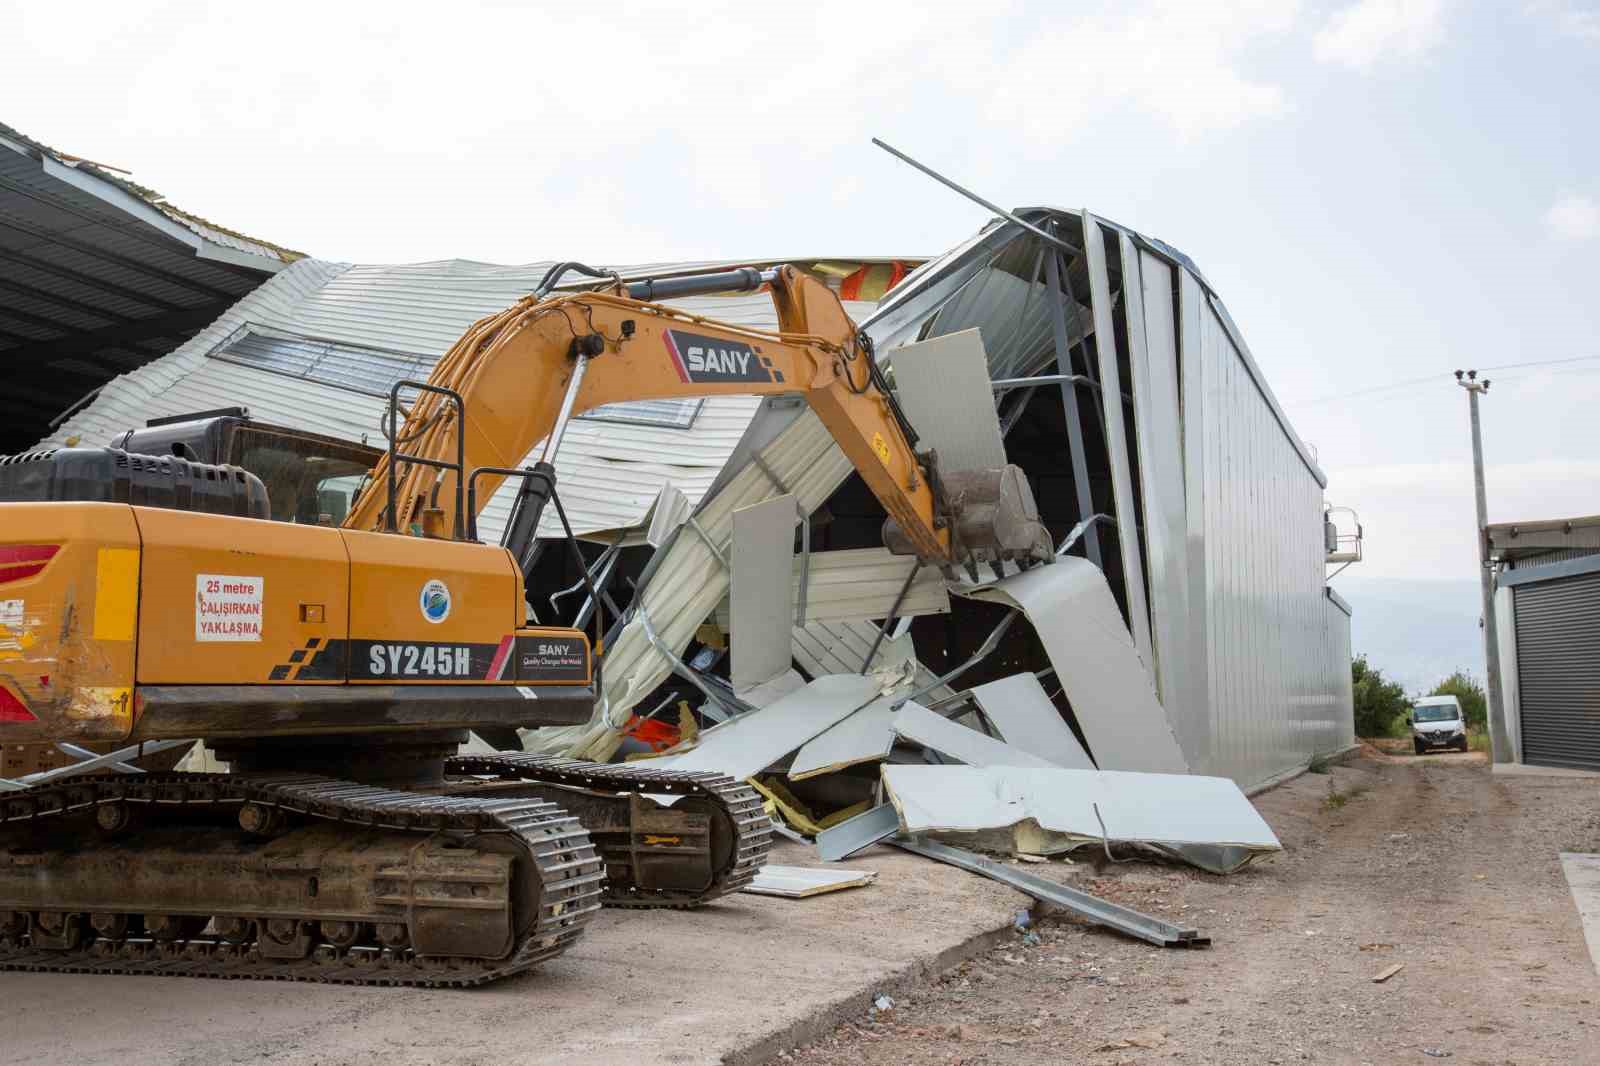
1103 912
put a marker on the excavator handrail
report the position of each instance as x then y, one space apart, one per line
391 518
524 472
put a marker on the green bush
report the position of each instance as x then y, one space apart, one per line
1465 688
1380 706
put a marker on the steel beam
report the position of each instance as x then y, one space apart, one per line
1101 912
132 751
1069 402
1122 485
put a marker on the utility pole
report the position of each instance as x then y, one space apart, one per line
1499 739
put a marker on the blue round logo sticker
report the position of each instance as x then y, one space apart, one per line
435 601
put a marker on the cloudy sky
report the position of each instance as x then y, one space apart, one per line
1382 190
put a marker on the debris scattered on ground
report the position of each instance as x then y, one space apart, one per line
1079 807
1387 972
1149 1040
798 882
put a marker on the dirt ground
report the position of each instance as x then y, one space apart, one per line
1432 863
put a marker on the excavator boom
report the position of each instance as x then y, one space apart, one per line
516 378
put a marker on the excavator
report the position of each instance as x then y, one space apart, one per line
337 669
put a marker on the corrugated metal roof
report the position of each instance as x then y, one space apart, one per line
609 472
209 231
99 276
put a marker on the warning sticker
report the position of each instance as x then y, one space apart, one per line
227 607
11 612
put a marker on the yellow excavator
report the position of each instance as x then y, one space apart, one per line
149 598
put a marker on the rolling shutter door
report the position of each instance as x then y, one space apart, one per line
1558 670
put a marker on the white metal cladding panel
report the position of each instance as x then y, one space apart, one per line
1264 577
609 473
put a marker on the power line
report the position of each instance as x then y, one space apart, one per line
1434 379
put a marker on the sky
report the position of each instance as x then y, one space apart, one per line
1381 191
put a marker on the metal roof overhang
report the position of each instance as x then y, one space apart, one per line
1521 540
98 277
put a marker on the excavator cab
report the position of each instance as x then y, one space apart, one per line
310 478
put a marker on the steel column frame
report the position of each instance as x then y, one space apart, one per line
1116 434
1069 402
1152 342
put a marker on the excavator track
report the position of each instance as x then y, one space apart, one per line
541 836
631 831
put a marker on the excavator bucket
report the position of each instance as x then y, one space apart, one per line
992 518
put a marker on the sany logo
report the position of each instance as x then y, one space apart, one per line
713 360
435 601
718 361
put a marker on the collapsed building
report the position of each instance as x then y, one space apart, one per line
1166 472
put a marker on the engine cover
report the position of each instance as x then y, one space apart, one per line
110 475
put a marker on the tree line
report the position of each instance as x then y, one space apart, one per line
1381 705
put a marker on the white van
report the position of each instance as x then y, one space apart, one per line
1437 722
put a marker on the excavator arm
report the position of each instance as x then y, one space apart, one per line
518 377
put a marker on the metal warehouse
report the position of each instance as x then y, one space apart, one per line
1118 381
99 276
1547 606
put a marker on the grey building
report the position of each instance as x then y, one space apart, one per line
1547 604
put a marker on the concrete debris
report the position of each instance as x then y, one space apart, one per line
800 882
